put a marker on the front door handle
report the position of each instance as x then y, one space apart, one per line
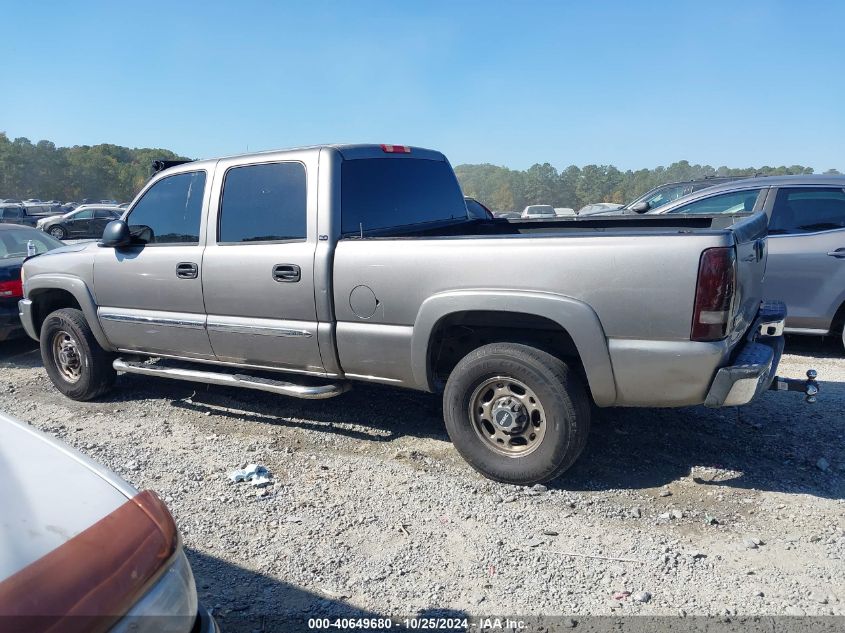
839 253
187 270
287 272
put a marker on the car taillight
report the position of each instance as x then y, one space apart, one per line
11 289
714 294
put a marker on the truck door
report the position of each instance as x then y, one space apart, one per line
149 294
258 273
806 267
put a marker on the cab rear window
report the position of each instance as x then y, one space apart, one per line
383 193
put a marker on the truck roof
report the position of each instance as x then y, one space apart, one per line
349 151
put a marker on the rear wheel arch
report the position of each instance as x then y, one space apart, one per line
571 329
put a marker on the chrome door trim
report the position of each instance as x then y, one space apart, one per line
120 317
260 330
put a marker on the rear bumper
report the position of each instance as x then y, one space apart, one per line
754 366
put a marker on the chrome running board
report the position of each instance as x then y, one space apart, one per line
315 392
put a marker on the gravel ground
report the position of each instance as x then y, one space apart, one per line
692 511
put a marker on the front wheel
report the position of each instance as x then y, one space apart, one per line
74 360
516 413
58 232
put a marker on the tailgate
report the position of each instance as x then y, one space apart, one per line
751 252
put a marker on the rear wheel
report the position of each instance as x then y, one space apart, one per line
73 358
516 413
58 232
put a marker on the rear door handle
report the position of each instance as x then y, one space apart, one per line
187 270
287 272
839 253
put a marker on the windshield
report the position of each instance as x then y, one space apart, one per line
13 242
381 193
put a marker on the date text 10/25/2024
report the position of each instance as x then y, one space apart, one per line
423 623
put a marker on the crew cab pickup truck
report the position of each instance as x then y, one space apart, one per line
301 271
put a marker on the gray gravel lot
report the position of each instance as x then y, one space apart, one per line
692 511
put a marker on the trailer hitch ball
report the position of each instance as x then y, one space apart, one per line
809 387
812 389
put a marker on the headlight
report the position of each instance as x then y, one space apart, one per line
23 276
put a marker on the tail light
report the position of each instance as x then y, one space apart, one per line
714 294
11 289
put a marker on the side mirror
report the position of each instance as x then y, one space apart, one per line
116 234
641 207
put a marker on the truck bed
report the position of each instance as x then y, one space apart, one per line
639 224
636 276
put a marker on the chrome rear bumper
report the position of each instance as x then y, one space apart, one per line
755 363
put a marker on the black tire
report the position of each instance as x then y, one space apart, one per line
58 232
560 392
90 361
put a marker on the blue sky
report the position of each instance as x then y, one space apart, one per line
634 84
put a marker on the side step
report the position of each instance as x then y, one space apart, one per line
315 392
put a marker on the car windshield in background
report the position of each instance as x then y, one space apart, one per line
664 196
382 193
13 243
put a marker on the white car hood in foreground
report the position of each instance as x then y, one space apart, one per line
49 493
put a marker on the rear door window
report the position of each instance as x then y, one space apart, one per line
807 210
263 203
732 202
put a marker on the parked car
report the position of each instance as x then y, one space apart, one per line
38 209
385 279
15 214
477 210
87 221
13 251
538 211
664 194
562 212
806 228
82 549
598 207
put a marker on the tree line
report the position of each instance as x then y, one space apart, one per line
504 189
47 172
44 171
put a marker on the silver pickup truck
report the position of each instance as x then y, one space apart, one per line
299 271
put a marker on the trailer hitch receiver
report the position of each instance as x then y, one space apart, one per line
809 387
